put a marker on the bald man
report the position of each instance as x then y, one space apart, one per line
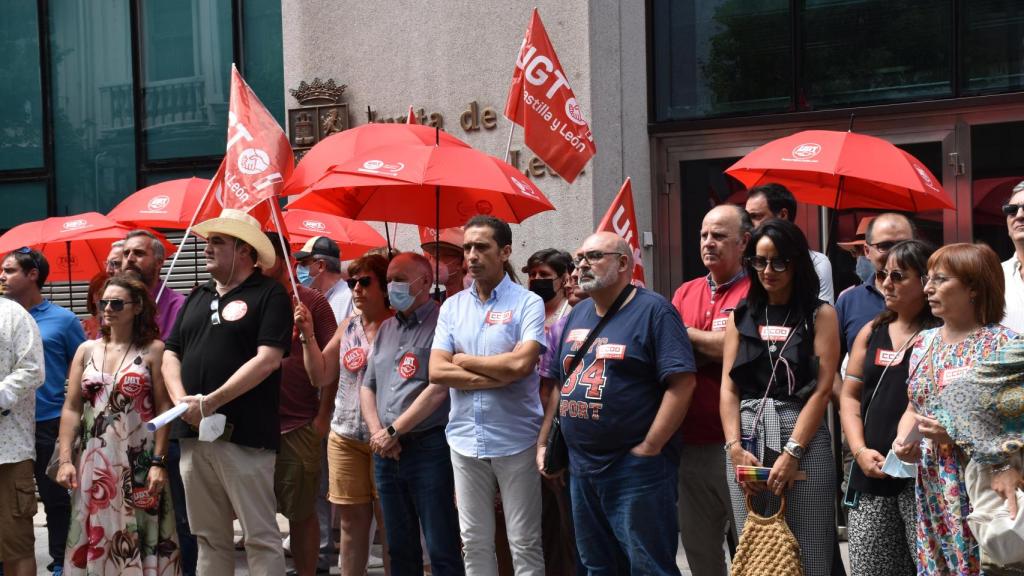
619 411
704 304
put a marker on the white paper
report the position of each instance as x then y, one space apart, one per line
166 418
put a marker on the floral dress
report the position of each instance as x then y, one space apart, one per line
117 527
945 544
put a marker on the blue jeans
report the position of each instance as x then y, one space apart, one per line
625 517
418 490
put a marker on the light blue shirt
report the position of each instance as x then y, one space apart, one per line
503 421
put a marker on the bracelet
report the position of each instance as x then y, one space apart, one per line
730 444
201 398
859 450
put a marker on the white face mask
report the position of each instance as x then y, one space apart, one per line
211 427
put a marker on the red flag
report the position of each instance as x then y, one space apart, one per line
258 158
411 119
541 101
621 219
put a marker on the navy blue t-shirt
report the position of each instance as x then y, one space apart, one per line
609 404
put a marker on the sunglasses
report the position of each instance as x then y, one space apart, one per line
363 281
592 256
1012 209
760 263
896 276
116 304
31 253
215 312
883 246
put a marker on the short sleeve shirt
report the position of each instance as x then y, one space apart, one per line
21 373
62 335
255 313
300 400
167 310
856 307
506 420
705 306
398 372
1014 316
613 396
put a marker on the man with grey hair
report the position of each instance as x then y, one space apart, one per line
319 268
704 304
1014 211
619 410
142 256
113 262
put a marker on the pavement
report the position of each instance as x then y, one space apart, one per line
42 557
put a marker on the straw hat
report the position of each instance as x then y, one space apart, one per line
238 224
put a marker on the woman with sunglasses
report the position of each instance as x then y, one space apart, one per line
965 289
344 359
881 518
781 351
122 518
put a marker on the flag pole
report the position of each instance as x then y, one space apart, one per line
188 230
274 209
508 145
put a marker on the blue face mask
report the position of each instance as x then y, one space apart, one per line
302 275
399 296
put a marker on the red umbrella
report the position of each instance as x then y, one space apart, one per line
436 186
354 238
340 147
843 170
169 204
76 247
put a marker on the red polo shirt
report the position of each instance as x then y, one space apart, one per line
706 309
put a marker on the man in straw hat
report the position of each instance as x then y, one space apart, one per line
224 361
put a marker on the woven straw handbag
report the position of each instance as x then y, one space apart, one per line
767 547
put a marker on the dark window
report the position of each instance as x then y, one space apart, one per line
21 100
993 46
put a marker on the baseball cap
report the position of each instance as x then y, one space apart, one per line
318 246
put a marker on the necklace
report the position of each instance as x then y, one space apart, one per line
772 348
120 364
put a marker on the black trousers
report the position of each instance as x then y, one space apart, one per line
56 501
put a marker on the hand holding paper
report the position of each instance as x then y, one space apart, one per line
166 418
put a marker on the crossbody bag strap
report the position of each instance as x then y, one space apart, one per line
619 301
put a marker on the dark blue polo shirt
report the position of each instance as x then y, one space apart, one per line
856 307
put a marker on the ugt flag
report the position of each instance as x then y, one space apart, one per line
621 219
542 102
258 158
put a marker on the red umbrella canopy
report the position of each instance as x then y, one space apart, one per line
872 172
169 204
340 147
428 185
76 247
353 238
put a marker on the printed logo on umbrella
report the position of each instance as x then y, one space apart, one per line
381 167
157 204
925 177
805 152
71 225
314 225
524 187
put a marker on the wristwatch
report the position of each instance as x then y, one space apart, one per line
794 449
158 461
392 432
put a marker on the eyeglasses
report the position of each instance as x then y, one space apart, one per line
215 312
883 246
116 304
592 256
1012 209
760 263
936 279
363 281
896 276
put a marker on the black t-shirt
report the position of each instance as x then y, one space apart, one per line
882 414
255 313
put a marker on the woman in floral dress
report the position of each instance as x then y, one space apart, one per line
122 519
964 288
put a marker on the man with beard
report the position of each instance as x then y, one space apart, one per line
704 304
223 360
485 349
143 256
619 411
